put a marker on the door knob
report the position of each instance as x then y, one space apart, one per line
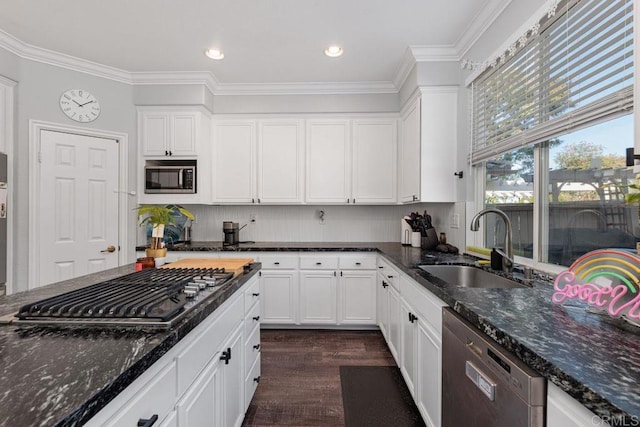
110 248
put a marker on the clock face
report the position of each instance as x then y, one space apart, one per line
80 105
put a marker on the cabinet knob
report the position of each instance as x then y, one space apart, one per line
148 423
276 263
358 263
390 277
166 152
347 200
256 347
414 197
412 317
256 318
318 263
384 284
257 379
170 153
256 294
253 200
258 200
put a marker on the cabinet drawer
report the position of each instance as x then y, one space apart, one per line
252 294
389 274
426 305
252 320
279 262
357 262
156 397
318 262
251 382
252 349
207 342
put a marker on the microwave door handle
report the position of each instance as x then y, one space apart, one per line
181 178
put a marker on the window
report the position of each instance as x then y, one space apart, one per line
550 128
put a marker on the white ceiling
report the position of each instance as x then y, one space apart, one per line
264 41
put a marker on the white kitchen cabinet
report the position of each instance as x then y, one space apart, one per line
429 373
318 297
169 133
564 411
280 161
428 141
342 169
382 302
409 152
279 291
375 161
203 404
234 161
328 172
357 297
394 323
408 338
171 420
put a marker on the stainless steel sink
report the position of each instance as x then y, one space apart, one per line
469 277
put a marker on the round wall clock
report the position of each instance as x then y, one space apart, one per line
80 105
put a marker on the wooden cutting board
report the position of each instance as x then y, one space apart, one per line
232 265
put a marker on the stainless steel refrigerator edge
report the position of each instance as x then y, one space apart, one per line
3 224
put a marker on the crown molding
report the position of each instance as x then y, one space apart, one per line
480 23
204 78
50 57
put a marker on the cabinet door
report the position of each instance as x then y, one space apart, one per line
394 323
438 134
280 161
409 163
408 343
382 302
278 296
328 162
374 161
429 378
234 162
233 381
202 405
184 134
318 301
357 298
154 133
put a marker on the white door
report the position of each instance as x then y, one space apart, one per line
357 296
318 299
278 296
78 206
410 154
234 162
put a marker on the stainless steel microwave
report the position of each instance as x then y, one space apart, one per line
170 179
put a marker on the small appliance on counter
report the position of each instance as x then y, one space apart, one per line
231 232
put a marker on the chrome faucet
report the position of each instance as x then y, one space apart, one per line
507 256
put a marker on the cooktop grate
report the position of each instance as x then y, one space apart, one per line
152 294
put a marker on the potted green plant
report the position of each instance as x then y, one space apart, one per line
159 216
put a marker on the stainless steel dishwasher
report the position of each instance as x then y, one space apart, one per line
482 385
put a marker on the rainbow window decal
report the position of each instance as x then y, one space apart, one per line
608 279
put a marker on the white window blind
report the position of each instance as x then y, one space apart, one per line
576 72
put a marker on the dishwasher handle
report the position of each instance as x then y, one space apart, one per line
481 380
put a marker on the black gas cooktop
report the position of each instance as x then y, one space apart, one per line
150 298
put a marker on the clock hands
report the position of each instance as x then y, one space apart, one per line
78 104
82 105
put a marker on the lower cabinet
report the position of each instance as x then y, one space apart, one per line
318 297
279 297
382 302
407 353
394 323
564 411
428 384
357 297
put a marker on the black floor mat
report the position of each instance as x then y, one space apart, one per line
377 396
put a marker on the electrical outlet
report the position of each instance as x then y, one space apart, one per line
455 221
252 217
321 218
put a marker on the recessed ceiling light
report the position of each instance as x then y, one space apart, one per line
214 53
333 51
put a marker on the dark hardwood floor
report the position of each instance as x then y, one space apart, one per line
300 379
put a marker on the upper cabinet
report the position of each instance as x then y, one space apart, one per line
428 142
374 161
169 133
328 177
280 161
234 161
257 161
351 161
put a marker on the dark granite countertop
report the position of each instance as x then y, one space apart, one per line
63 377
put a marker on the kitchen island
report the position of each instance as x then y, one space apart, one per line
64 377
